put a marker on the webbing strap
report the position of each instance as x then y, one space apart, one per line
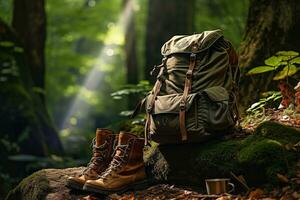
186 91
155 91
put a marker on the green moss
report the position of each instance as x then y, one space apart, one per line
261 152
219 155
33 187
265 150
276 131
137 130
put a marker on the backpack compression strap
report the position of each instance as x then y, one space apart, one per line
187 90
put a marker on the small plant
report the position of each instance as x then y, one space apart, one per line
284 63
140 89
267 101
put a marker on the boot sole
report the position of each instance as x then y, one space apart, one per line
74 185
134 186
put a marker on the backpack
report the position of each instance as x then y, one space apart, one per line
194 97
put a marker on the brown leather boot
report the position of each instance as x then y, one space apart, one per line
126 170
102 156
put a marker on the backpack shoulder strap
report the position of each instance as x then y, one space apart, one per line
155 91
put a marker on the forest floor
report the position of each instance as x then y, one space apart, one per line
171 192
289 189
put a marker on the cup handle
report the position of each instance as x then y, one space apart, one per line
232 187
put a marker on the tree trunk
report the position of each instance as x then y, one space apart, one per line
272 26
24 118
130 45
29 21
130 51
166 18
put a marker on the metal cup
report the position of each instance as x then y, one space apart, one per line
218 186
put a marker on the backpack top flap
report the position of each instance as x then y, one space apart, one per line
191 43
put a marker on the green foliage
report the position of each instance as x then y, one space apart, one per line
267 101
230 16
140 89
84 39
137 91
8 65
6 10
284 63
260 69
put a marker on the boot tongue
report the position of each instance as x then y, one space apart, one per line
123 140
101 135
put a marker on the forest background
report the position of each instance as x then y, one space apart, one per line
75 65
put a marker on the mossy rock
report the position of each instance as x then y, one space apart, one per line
46 184
258 157
28 189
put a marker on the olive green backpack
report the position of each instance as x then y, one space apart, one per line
194 97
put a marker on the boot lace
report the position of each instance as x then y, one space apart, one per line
96 160
117 161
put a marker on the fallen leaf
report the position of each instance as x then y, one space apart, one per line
282 178
284 189
223 198
287 197
256 194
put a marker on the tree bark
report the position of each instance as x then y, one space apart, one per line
22 113
166 18
29 22
130 51
272 26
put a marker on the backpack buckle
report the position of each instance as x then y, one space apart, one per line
182 105
192 57
154 70
149 109
189 74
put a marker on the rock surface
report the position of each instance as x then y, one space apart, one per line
47 184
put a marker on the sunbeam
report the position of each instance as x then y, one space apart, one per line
93 79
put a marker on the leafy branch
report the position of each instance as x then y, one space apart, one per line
283 62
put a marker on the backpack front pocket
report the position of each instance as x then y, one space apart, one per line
207 113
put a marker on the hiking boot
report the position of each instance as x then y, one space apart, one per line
126 170
102 156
